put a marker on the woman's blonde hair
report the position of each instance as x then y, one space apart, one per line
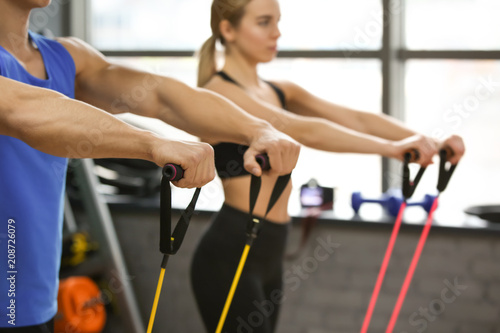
231 10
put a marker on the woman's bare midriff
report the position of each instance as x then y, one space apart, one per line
237 195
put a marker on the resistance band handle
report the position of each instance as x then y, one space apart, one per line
170 242
408 185
263 161
412 155
255 182
173 172
444 174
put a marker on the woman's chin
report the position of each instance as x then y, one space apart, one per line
268 58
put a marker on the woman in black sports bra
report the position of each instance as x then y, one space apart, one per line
249 31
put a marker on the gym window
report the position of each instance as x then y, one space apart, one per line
413 59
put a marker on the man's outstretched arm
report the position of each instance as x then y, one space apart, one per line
57 125
119 89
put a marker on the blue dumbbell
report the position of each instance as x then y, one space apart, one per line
396 200
391 201
357 199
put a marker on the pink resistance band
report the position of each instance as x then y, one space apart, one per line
411 270
409 274
383 269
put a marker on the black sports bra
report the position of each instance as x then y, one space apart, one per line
229 156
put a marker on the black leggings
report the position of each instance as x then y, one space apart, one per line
257 299
48 327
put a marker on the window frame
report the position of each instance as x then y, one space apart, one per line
392 55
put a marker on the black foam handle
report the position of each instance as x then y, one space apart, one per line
446 152
445 174
408 185
173 172
263 161
412 155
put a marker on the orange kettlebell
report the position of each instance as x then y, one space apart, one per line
80 307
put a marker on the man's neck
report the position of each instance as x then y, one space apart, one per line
14 23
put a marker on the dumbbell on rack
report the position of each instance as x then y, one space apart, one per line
390 201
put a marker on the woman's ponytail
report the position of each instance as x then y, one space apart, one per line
206 65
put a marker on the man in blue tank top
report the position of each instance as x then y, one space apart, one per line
41 125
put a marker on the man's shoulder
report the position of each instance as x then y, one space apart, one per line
72 44
83 54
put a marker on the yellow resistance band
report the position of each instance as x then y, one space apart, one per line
155 303
233 289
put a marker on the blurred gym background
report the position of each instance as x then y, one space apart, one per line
433 64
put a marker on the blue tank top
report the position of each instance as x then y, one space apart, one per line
32 187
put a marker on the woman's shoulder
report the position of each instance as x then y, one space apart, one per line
221 86
214 82
289 88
